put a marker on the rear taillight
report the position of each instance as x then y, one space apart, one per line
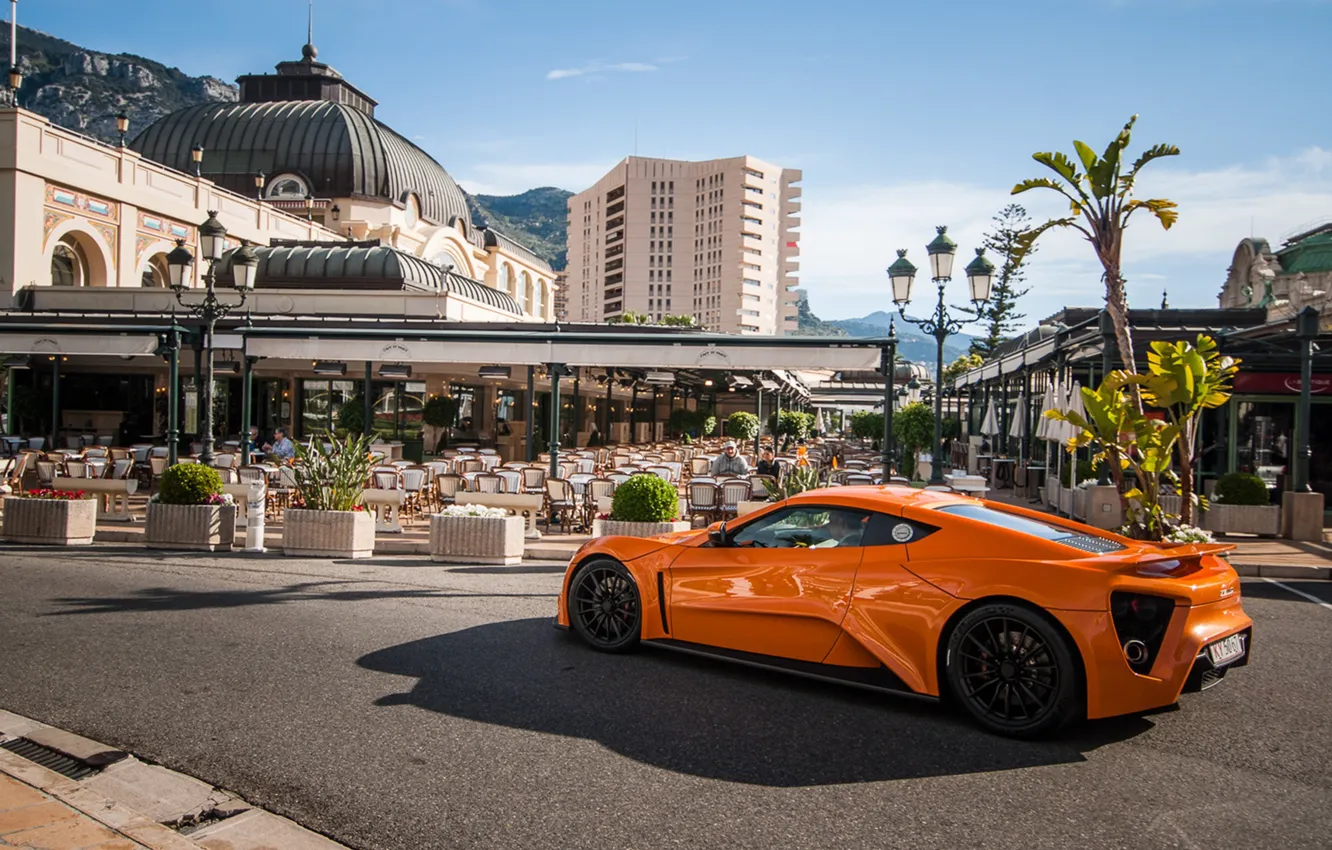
1140 624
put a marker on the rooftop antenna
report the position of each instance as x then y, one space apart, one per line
309 32
13 33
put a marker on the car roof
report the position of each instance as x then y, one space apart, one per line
892 497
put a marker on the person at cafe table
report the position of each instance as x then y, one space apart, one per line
729 462
281 445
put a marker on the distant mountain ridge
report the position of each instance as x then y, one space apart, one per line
913 344
538 218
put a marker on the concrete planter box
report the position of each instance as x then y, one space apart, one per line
618 528
476 540
1104 509
204 528
50 522
1242 519
743 508
328 534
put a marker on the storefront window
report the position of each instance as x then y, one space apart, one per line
469 407
320 402
398 408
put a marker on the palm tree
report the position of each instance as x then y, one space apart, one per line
1100 204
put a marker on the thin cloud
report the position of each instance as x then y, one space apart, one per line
600 69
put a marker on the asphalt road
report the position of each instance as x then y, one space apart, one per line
401 704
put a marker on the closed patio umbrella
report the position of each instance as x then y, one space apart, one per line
990 423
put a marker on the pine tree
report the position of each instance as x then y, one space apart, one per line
999 314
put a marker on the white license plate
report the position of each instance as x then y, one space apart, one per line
1226 650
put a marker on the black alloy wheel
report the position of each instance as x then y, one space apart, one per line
1013 671
604 606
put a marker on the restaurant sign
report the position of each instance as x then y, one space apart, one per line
1280 382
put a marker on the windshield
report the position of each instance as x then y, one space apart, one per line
1012 522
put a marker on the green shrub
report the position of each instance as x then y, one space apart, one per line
351 416
440 411
1240 488
645 498
332 479
1084 469
742 426
797 480
189 484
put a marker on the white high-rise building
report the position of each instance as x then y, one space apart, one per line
716 240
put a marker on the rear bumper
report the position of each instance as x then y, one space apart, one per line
1112 686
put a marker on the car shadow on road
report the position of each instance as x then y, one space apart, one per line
706 718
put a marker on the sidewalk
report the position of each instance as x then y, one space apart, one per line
29 818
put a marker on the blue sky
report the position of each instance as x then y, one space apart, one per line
901 115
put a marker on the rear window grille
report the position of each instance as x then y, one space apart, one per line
1091 543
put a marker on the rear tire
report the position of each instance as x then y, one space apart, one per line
1013 671
605 608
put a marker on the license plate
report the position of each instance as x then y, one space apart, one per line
1226 650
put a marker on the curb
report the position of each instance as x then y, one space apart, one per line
1284 571
179 799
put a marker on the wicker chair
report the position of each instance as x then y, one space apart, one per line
561 504
702 500
534 479
732 493
416 496
447 487
488 482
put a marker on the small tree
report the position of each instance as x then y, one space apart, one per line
999 315
351 416
961 366
867 425
913 429
1100 204
742 426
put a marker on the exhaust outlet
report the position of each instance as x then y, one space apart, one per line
1135 651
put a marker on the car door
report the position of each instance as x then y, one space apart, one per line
780 586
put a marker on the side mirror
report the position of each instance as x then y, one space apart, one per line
717 536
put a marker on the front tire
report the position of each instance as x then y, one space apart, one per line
1013 671
605 608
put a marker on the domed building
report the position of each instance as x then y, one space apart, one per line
306 141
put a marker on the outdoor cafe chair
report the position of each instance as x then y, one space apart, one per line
512 478
598 489
414 483
466 465
662 472
47 473
855 478
95 451
488 482
761 485
561 505
447 487
699 466
385 478
619 476
79 469
732 493
567 468
701 499
252 474
489 462
534 478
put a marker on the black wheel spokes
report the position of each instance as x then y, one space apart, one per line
606 606
1008 671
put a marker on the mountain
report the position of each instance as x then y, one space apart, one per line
538 218
913 344
84 90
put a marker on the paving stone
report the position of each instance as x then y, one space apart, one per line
156 792
15 794
256 830
30 817
16 724
74 832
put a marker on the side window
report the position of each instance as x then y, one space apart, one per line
885 530
804 527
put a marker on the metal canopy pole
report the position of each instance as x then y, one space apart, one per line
633 413
367 408
530 425
247 384
55 403
610 401
173 402
1306 330
555 370
578 408
758 411
888 366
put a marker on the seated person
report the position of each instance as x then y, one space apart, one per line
729 462
281 447
844 529
767 465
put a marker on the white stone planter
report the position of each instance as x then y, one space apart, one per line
1242 519
743 507
328 534
476 539
50 522
204 528
618 528
1104 509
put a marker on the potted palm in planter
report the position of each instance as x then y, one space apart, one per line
327 518
190 511
643 506
476 534
50 517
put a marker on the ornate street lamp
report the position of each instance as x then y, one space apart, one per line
941 325
244 268
259 185
309 207
122 127
196 156
15 83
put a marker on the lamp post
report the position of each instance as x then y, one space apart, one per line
888 365
244 266
196 157
122 127
259 180
1306 331
309 207
980 274
15 83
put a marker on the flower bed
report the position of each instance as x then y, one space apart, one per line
190 511
476 534
50 518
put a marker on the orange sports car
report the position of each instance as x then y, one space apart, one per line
1025 619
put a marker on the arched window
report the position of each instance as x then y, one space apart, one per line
154 273
288 187
68 266
413 212
510 284
448 257
543 294
528 301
